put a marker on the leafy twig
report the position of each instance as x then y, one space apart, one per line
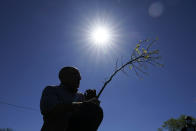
141 55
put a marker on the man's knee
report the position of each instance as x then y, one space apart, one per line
93 114
89 116
93 109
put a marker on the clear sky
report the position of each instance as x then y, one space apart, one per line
39 37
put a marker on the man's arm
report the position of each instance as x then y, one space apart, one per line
60 109
51 106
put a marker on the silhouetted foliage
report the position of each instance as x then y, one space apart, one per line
6 129
176 124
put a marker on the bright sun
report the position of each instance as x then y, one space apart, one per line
100 35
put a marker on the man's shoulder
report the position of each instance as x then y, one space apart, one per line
50 88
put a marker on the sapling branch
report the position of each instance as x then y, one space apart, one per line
141 57
115 72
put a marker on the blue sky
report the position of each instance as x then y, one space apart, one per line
38 38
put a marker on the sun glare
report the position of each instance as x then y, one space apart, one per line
100 35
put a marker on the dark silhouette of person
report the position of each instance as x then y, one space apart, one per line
65 109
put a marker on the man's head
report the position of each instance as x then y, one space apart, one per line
70 77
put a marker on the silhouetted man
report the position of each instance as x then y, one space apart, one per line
64 109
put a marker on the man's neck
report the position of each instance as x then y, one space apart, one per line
68 88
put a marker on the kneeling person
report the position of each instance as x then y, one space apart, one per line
64 109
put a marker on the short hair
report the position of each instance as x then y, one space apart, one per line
65 71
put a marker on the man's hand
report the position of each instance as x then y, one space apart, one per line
89 94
